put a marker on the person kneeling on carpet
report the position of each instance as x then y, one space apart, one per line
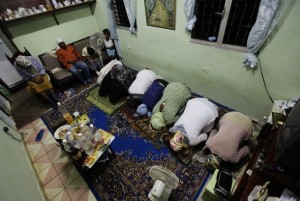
38 82
142 82
151 97
228 142
168 109
114 80
193 125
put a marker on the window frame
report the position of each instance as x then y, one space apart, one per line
221 33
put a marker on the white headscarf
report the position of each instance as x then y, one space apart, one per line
23 61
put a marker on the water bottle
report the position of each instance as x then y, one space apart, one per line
85 143
67 116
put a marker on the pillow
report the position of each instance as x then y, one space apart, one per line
55 70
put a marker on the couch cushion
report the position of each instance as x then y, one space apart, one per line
62 74
79 45
50 61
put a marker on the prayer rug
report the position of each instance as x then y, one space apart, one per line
126 177
103 102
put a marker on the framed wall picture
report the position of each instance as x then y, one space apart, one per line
160 13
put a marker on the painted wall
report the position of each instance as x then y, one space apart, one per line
39 34
17 178
171 54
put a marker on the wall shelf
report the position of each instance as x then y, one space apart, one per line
4 23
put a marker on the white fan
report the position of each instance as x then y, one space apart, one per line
165 181
97 42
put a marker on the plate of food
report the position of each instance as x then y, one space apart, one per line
60 133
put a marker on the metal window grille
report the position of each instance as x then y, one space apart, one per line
216 24
120 13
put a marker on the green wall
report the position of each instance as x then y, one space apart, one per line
39 34
17 178
171 54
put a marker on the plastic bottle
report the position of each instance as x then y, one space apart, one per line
85 143
67 116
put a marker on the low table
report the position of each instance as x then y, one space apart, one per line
88 160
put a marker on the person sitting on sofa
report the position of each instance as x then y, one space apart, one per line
38 82
109 44
228 142
168 109
92 58
72 61
193 125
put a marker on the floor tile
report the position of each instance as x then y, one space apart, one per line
55 154
87 196
53 188
78 183
76 193
60 167
37 153
69 175
42 163
27 131
33 135
50 146
48 174
37 123
49 139
31 147
62 196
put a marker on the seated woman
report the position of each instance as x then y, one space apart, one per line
169 107
151 97
142 82
193 125
114 80
227 142
38 82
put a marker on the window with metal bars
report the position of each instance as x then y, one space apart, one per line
225 21
120 13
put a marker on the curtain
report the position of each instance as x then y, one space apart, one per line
112 27
269 13
130 6
189 7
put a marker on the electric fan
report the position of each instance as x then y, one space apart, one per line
97 42
165 181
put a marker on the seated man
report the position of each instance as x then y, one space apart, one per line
72 61
193 125
92 58
38 82
142 82
168 109
228 142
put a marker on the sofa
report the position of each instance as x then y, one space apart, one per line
61 77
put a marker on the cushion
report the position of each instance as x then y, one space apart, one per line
50 61
79 45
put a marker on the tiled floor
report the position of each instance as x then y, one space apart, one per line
59 177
